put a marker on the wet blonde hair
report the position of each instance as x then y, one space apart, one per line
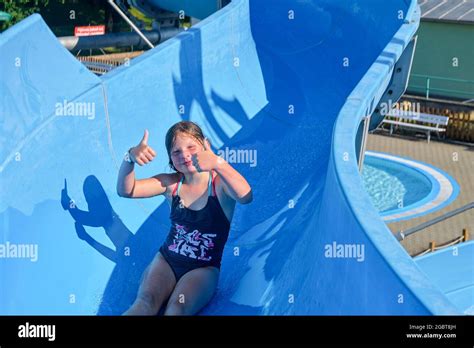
184 127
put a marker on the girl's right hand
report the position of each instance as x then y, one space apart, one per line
142 153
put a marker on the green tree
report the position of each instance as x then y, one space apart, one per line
20 9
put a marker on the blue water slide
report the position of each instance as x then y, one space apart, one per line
288 84
458 283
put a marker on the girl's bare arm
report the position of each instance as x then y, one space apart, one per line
235 184
128 186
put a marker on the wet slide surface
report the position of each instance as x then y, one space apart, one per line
280 90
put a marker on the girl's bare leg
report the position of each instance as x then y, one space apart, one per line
193 291
157 283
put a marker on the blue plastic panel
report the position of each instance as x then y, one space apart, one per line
452 270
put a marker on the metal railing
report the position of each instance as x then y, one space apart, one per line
433 247
427 89
401 235
124 16
99 68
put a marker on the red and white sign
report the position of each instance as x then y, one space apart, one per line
89 30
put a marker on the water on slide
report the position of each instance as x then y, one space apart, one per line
285 86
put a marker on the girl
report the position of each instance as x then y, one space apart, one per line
202 195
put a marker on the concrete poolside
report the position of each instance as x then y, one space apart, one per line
442 155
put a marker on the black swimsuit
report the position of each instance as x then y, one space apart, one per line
197 237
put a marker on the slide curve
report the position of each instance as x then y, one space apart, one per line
281 90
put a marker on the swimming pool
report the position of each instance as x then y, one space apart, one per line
401 188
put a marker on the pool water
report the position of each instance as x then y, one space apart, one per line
392 185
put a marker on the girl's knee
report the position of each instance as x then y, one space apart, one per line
148 300
144 304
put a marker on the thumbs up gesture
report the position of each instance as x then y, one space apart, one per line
142 153
65 199
206 160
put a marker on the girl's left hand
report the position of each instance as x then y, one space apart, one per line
206 160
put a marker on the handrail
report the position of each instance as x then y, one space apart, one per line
434 77
124 16
434 247
98 67
427 88
402 234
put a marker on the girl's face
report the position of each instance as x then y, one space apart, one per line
183 148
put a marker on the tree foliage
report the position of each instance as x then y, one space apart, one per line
20 9
61 15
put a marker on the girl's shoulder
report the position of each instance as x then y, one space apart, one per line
169 180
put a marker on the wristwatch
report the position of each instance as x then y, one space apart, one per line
128 157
